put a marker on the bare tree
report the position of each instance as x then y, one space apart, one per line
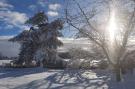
109 26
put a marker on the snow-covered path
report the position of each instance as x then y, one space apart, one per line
39 78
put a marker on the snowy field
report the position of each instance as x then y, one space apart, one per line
39 78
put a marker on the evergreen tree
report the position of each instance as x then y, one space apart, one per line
42 35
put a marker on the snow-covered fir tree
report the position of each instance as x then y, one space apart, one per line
41 36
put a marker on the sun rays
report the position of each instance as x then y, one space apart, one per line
112 27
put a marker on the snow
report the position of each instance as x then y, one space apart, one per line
4 62
40 78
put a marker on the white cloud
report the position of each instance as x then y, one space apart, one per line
11 18
25 27
9 26
53 9
52 13
42 3
6 37
32 7
3 4
55 6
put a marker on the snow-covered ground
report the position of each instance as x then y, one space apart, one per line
4 62
39 78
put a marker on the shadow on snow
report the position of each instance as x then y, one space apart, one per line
69 79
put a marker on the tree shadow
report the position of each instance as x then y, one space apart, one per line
17 72
110 79
67 79
71 79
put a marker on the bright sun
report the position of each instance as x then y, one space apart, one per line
112 34
112 27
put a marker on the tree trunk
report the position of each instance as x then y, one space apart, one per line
118 73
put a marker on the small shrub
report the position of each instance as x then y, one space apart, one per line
85 65
103 64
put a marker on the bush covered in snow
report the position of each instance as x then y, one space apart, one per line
85 59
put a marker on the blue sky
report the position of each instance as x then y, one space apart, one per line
13 13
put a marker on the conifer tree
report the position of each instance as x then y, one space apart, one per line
42 35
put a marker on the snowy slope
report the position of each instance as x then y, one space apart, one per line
39 78
4 62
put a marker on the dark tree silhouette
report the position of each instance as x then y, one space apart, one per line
0 56
42 35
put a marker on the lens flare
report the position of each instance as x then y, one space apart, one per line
112 27
112 36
